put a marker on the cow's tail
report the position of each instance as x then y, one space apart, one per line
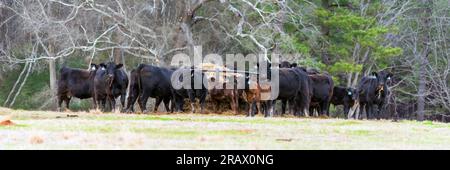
331 93
305 92
139 77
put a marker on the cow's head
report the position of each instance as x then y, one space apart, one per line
286 64
93 67
351 92
383 77
110 69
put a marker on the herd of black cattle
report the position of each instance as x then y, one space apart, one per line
301 91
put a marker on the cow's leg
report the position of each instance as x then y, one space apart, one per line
172 105
202 103
362 108
103 104
283 107
236 100
252 108
297 108
311 110
305 105
179 102
157 103
173 102
166 104
112 102
61 98
130 103
122 101
143 101
346 109
216 105
108 102
259 107
233 105
139 101
94 102
60 101
272 107
380 111
265 107
249 108
67 101
293 108
327 107
368 111
191 96
324 109
269 108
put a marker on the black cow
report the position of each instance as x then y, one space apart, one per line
344 96
284 103
373 90
110 82
294 86
99 94
150 81
75 83
322 88
192 93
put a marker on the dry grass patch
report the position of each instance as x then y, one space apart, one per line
89 130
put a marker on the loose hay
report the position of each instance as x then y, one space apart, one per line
36 140
6 121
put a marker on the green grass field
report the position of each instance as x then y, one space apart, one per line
53 130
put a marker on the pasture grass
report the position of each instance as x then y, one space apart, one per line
95 130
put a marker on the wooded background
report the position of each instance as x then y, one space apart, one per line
347 38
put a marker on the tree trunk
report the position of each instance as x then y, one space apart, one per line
52 70
117 52
425 16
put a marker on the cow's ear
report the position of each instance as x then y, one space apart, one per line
294 65
118 66
375 74
93 67
349 92
389 76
